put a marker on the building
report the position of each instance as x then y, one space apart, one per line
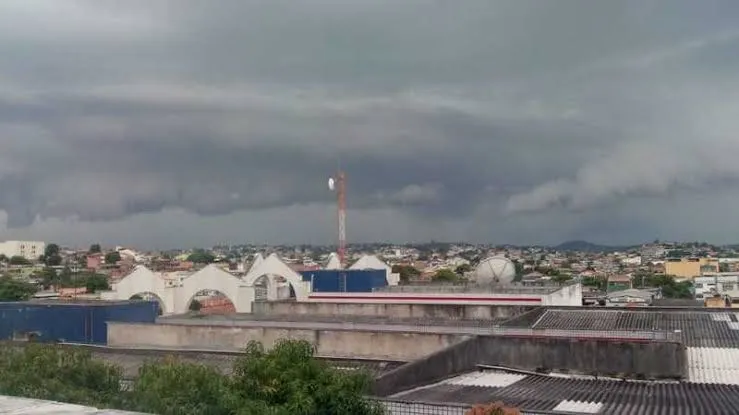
619 282
690 267
722 284
30 250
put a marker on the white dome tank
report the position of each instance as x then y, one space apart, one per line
495 270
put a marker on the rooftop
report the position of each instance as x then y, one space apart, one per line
696 328
23 406
550 393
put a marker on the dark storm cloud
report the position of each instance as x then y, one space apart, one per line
456 111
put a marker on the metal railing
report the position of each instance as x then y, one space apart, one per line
400 407
466 288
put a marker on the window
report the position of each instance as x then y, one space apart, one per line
698 285
728 287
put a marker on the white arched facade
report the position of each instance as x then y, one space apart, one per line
176 292
272 266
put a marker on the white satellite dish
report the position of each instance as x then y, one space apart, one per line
495 270
331 183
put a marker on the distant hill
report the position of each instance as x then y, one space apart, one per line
584 246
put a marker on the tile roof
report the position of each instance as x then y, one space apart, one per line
532 392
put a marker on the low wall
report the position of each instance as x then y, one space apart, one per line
597 357
421 311
329 343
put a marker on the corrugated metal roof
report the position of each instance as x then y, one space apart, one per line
713 365
585 396
21 406
696 328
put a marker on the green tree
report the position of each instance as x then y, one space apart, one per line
200 256
51 256
561 278
95 282
14 290
288 380
53 373
462 269
95 249
407 272
3 258
18 260
112 257
445 275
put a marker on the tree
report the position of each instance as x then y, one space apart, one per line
200 256
407 272
14 290
288 380
3 258
112 257
96 282
51 256
445 275
18 260
94 249
462 269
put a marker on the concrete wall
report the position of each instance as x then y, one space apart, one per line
638 360
329 343
446 311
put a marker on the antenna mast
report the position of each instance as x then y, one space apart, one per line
341 214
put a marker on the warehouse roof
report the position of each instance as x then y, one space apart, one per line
23 406
535 392
696 328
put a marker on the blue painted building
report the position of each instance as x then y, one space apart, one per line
351 281
71 322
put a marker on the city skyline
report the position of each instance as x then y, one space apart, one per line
516 121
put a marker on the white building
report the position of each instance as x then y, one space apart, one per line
717 283
30 250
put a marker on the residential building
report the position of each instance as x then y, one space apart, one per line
724 284
619 282
690 267
30 250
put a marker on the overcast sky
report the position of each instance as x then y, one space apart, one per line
179 123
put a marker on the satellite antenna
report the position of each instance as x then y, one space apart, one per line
338 185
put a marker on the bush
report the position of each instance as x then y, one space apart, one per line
284 380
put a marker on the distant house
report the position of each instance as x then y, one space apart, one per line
619 282
632 298
95 261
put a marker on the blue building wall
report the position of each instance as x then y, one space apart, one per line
70 322
352 281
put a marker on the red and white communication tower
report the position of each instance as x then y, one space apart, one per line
338 185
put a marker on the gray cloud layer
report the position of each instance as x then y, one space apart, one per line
506 121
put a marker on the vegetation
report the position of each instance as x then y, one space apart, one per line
200 256
67 279
407 272
51 256
497 408
195 305
284 380
445 275
112 257
14 290
18 260
95 249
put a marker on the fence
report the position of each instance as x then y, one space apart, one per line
400 407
